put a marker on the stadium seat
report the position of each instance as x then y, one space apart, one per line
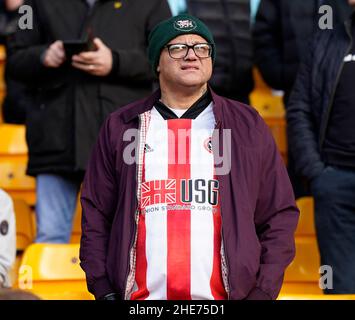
316 296
52 272
25 230
305 266
15 267
13 164
13 140
13 179
302 275
306 222
278 129
270 106
76 231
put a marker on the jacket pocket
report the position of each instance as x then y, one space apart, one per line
49 122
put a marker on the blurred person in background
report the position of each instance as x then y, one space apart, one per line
7 238
282 32
230 23
74 93
17 96
321 117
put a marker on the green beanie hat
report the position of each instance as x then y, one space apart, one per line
170 29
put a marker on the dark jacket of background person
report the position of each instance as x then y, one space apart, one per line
312 97
71 105
282 32
258 210
230 24
18 97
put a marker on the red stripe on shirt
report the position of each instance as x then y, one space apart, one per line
142 292
179 221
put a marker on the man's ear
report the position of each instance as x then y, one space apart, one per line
158 69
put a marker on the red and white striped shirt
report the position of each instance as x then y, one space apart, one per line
178 249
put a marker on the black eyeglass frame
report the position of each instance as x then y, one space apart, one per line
188 49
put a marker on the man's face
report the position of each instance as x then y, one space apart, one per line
190 71
351 3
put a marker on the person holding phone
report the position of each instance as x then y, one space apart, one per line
74 94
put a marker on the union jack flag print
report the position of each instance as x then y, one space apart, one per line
158 191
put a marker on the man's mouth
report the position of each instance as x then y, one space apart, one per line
189 68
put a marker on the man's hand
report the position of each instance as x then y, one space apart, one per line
12 5
97 63
54 55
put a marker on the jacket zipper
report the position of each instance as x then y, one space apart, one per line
225 260
223 246
330 105
140 150
136 213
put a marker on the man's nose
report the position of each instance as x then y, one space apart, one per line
190 54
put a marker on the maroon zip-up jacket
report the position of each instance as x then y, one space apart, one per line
259 214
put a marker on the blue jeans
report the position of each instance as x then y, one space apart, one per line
334 196
55 207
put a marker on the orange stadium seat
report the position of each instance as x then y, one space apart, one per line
302 275
301 280
52 272
306 222
76 231
13 163
270 106
14 180
25 229
13 140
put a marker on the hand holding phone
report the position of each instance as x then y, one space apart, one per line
98 62
72 47
54 56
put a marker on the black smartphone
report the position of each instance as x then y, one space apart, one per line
72 47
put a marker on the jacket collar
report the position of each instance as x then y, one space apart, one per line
148 103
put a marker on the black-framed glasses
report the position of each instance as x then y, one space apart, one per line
181 50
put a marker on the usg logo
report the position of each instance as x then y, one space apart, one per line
185 25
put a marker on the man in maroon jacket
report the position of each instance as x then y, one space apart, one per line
186 195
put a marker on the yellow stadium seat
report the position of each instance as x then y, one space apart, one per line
15 268
13 164
306 222
52 272
270 106
14 180
278 129
302 275
76 231
316 296
305 266
13 141
24 224
263 99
